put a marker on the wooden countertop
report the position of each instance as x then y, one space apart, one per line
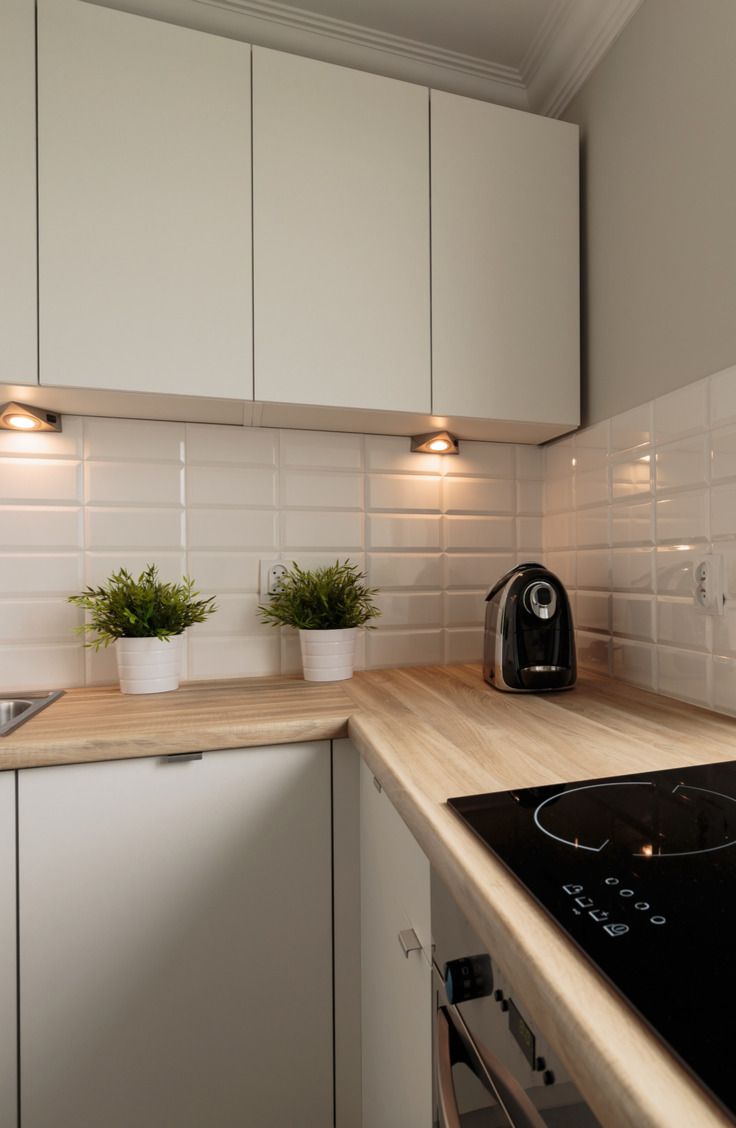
428 734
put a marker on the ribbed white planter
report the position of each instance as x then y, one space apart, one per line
149 665
328 655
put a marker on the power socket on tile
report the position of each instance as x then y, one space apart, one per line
272 573
709 589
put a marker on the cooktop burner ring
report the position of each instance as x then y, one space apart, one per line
704 823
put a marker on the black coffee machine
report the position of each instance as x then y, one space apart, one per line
529 641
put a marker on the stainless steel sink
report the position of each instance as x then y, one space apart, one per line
16 711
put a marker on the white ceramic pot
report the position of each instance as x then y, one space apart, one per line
328 655
149 665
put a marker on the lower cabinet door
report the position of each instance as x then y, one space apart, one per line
175 942
8 982
396 987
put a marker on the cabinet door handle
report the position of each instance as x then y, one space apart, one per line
409 941
182 757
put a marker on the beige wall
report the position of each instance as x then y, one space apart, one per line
659 133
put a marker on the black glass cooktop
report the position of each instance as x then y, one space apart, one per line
640 871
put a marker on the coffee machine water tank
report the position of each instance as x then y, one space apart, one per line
529 643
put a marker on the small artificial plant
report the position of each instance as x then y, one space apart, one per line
326 599
142 608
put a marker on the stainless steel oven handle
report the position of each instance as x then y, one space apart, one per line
490 1070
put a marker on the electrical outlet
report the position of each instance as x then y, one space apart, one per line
272 572
709 593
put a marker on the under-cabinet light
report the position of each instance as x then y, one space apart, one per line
23 417
435 442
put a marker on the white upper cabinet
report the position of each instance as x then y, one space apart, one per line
18 363
341 236
144 204
505 264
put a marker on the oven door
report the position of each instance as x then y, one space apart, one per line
509 1105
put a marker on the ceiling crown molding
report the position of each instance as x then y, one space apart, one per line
568 46
314 23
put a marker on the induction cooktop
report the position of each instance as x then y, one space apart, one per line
640 871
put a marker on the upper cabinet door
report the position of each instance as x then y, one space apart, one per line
505 263
341 236
18 327
144 204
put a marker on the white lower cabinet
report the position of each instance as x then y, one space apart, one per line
175 942
396 988
8 988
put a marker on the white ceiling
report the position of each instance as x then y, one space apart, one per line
532 54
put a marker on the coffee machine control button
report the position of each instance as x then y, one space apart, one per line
541 599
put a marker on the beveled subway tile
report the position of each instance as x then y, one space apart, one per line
529 463
50 573
558 494
683 517
410 609
593 610
231 485
36 526
559 459
593 651
631 476
559 531
463 646
530 498
98 566
323 449
38 620
564 566
593 569
26 668
591 486
724 635
632 524
393 570
724 685
723 511
484 460
679 623
632 428
633 616
723 453
529 534
56 445
634 662
403 531
245 446
681 412
684 674
682 464
476 570
134 528
674 568
723 397
478 495
44 480
134 483
404 648
321 490
236 614
465 608
224 571
632 569
228 657
133 439
233 528
591 446
592 528
492 533
386 453
403 492
304 528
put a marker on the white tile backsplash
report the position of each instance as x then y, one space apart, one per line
672 465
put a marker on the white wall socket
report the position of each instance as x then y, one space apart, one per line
709 591
272 572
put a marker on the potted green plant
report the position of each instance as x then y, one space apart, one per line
326 606
146 619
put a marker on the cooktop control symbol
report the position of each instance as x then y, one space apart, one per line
658 920
616 929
